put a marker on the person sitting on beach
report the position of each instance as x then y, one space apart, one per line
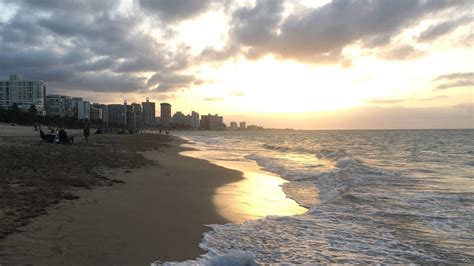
63 138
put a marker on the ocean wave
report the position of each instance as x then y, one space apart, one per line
229 257
347 174
319 153
366 201
276 147
470 163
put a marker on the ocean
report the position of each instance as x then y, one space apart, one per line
373 196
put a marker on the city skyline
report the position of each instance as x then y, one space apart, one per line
282 64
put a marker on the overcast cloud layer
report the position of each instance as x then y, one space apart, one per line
96 46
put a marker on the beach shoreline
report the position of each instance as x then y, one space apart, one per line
159 213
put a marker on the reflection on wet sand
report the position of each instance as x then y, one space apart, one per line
257 195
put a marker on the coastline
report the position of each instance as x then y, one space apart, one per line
159 213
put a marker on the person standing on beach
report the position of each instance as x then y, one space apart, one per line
87 129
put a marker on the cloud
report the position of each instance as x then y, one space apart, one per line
318 35
170 82
102 82
402 52
214 99
386 101
433 98
443 28
88 45
257 25
175 10
455 80
84 44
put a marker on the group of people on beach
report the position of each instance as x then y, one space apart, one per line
164 132
59 135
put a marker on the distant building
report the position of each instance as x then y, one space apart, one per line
195 120
74 102
149 113
83 110
242 125
23 93
233 125
117 115
134 115
96 114
104 110
179 120
165 115
137 113
212 122
58 106
254 127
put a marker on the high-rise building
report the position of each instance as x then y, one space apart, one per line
117 115
243 125
233 125
138 115
194 120
83 110
23 93
212 122
96 114
165 116
74 102
148 113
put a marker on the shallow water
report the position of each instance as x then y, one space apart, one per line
388 196
257 195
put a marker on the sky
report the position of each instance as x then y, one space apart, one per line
304 64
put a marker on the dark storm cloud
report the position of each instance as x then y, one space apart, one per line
72 5
318 35
455 80
84 45
175 9
257 25
168 82
104 82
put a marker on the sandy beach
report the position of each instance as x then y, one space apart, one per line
158 213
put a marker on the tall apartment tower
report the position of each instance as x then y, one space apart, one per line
165 115
23 93
117 115
148 113
194 120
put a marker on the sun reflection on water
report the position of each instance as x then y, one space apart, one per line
257 195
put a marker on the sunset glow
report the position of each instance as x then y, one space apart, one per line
260 57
